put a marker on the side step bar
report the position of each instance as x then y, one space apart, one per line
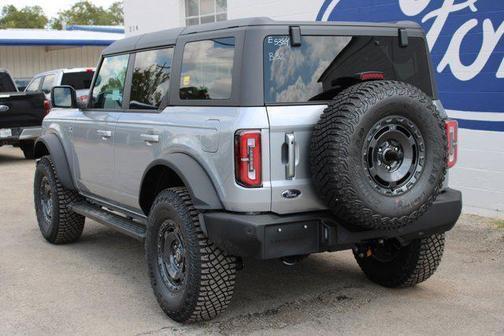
127 226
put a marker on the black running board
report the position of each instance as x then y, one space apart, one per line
127 226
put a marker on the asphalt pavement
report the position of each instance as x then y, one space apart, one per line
99 285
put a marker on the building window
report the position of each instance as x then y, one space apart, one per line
205 11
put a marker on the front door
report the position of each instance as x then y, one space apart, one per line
93 134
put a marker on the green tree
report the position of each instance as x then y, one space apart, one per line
86 13
27 17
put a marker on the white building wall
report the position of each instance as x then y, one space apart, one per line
25 61
152 15
275 9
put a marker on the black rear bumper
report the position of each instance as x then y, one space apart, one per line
267 236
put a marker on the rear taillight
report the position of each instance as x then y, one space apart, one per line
47 107
451 127
248 161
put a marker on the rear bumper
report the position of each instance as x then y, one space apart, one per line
267 236
19 134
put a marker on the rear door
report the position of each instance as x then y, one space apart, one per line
93 133
139 129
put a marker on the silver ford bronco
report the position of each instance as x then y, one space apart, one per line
255 138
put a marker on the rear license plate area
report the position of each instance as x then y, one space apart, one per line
291 239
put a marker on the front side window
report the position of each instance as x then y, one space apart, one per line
151 78
205 11
109 85
207 69
324 65
48 83
34 85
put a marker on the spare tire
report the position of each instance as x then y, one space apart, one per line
378 155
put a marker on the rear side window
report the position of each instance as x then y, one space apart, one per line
78 80
324 65
6 84
207 69
151 78
109 86
34 85
48 83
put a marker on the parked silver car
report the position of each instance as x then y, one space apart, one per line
255 138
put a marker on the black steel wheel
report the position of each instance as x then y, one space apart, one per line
378 155
192 279
171 255
394 155
57 223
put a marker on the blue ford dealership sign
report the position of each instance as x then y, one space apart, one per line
466 39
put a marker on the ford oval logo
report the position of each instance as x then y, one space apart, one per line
4 108
291 193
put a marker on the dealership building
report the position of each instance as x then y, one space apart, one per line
26 52
466 40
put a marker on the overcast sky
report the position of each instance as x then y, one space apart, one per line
52 7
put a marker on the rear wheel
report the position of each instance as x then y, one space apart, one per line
58 224
192 279
390 264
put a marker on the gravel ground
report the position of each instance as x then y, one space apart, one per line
99 285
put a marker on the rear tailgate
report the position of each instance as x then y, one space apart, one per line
21 109
300 81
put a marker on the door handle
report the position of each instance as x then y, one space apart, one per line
150 138
104 134
290 167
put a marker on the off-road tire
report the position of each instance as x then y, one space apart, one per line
209 279
64 226
413 263
28 150
337 150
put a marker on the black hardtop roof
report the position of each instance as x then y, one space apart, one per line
169 36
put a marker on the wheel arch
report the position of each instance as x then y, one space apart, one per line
176 171
50 144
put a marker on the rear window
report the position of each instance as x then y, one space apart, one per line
151 78
6 84
207 69
323 65
78 80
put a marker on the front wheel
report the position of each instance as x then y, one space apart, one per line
192 279
58 224
390 264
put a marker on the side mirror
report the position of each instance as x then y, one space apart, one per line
64 96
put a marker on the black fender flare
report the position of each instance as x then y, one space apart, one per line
51 144
201 188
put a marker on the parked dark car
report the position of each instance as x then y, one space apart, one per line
21 115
